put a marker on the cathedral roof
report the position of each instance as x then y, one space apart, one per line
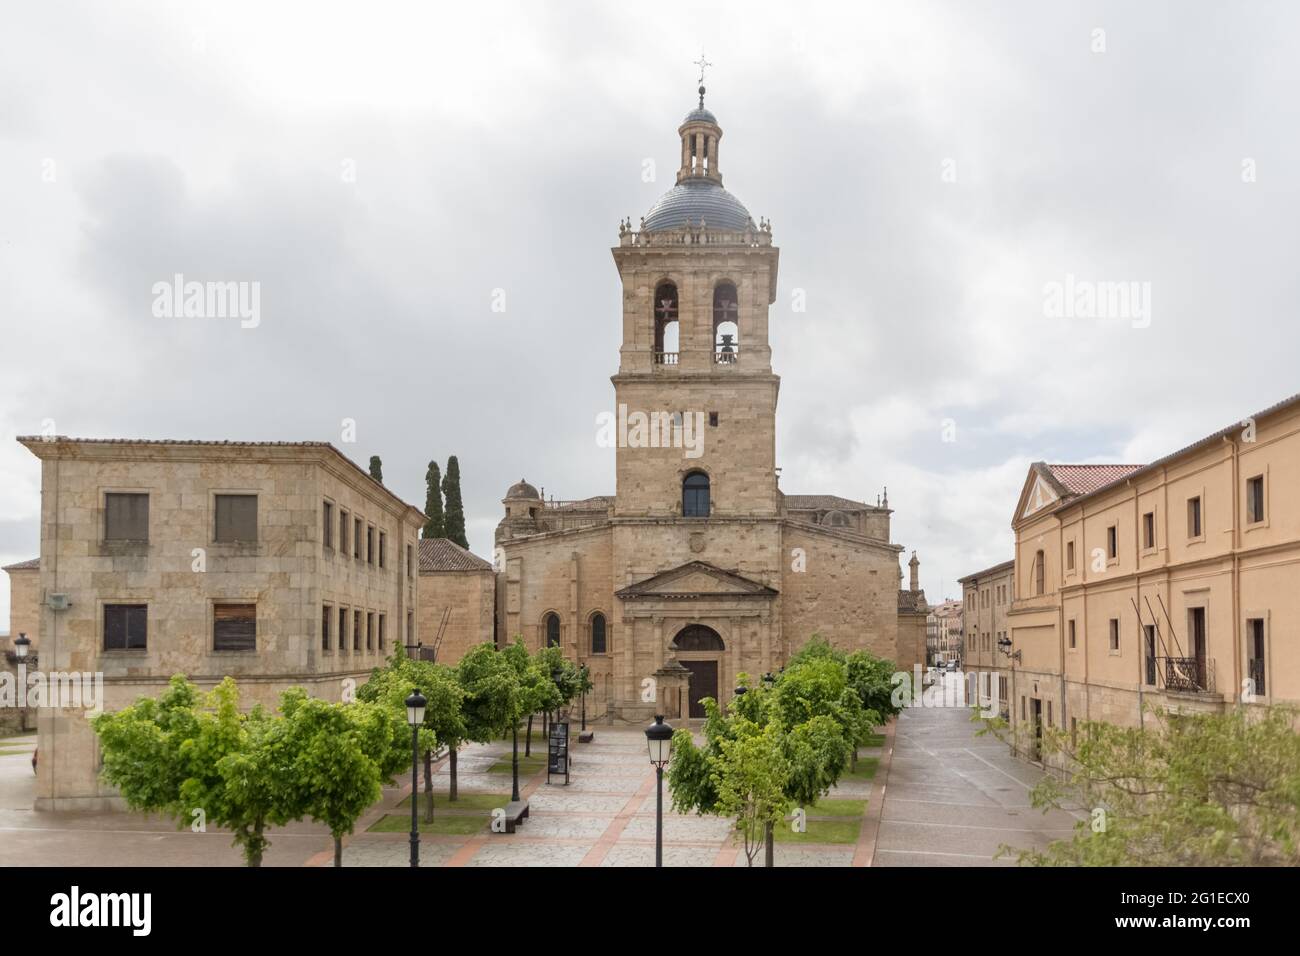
825 503
696 200
33 564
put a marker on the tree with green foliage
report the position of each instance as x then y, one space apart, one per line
741 772
1185 790
335 757
455 517
214 763
537 691
376 469
444 724
493 699
436 525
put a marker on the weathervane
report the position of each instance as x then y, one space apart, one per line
702 64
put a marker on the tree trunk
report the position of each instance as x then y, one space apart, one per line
768 841
528 739
428 786
451 786
853 760
338 851
255 846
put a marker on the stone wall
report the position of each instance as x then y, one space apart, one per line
471 598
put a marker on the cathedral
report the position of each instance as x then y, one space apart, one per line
698 567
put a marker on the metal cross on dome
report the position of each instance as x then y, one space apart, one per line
702 63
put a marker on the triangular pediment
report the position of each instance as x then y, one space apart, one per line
1039 493
694 580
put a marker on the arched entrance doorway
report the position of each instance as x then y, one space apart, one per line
699 649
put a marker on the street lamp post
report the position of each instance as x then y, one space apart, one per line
584 697
415 717
659 738
21 646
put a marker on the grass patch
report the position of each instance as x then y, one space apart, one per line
445 824
821 831
12 753
478 802
875 740
866 769
837 808
527 765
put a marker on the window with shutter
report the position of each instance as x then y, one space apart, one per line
356 630
126 516
327 614
126 627
328 538
234 627
343 629
236 519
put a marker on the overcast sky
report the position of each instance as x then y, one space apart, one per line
381 169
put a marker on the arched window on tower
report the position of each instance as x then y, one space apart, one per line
726 330
552 630
598 643
666 324
695 495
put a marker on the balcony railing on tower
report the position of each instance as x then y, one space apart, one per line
666 358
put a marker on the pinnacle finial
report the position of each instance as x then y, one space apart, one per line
702 63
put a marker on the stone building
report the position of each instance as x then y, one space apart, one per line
457 606
943 632
277 563
986 599
1171 584
699 567
24 611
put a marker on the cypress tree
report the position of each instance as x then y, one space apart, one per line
436 526
455 520
376 469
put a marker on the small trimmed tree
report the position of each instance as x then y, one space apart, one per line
376 469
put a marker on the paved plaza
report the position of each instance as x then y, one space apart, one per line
941 797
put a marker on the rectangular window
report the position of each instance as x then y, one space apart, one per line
344 524
1069 555
236 519
1255 654
1149 530
234 627
126 627
370 544
358 527
1114 634
1049 713
1074 731
1112 542
410 628
713 419
327 615
356 630
327 538
1072 636
410 561
343 629
370 630
383 627
126 516
383 549
1194 517
1022 707
1255 499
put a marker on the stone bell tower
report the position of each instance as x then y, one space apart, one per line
695 384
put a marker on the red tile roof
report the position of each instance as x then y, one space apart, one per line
1085 479
34 564
443 554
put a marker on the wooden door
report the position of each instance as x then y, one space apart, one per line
703 683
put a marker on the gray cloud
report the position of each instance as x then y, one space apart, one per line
497 147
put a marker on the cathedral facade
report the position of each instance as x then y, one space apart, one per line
698 568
